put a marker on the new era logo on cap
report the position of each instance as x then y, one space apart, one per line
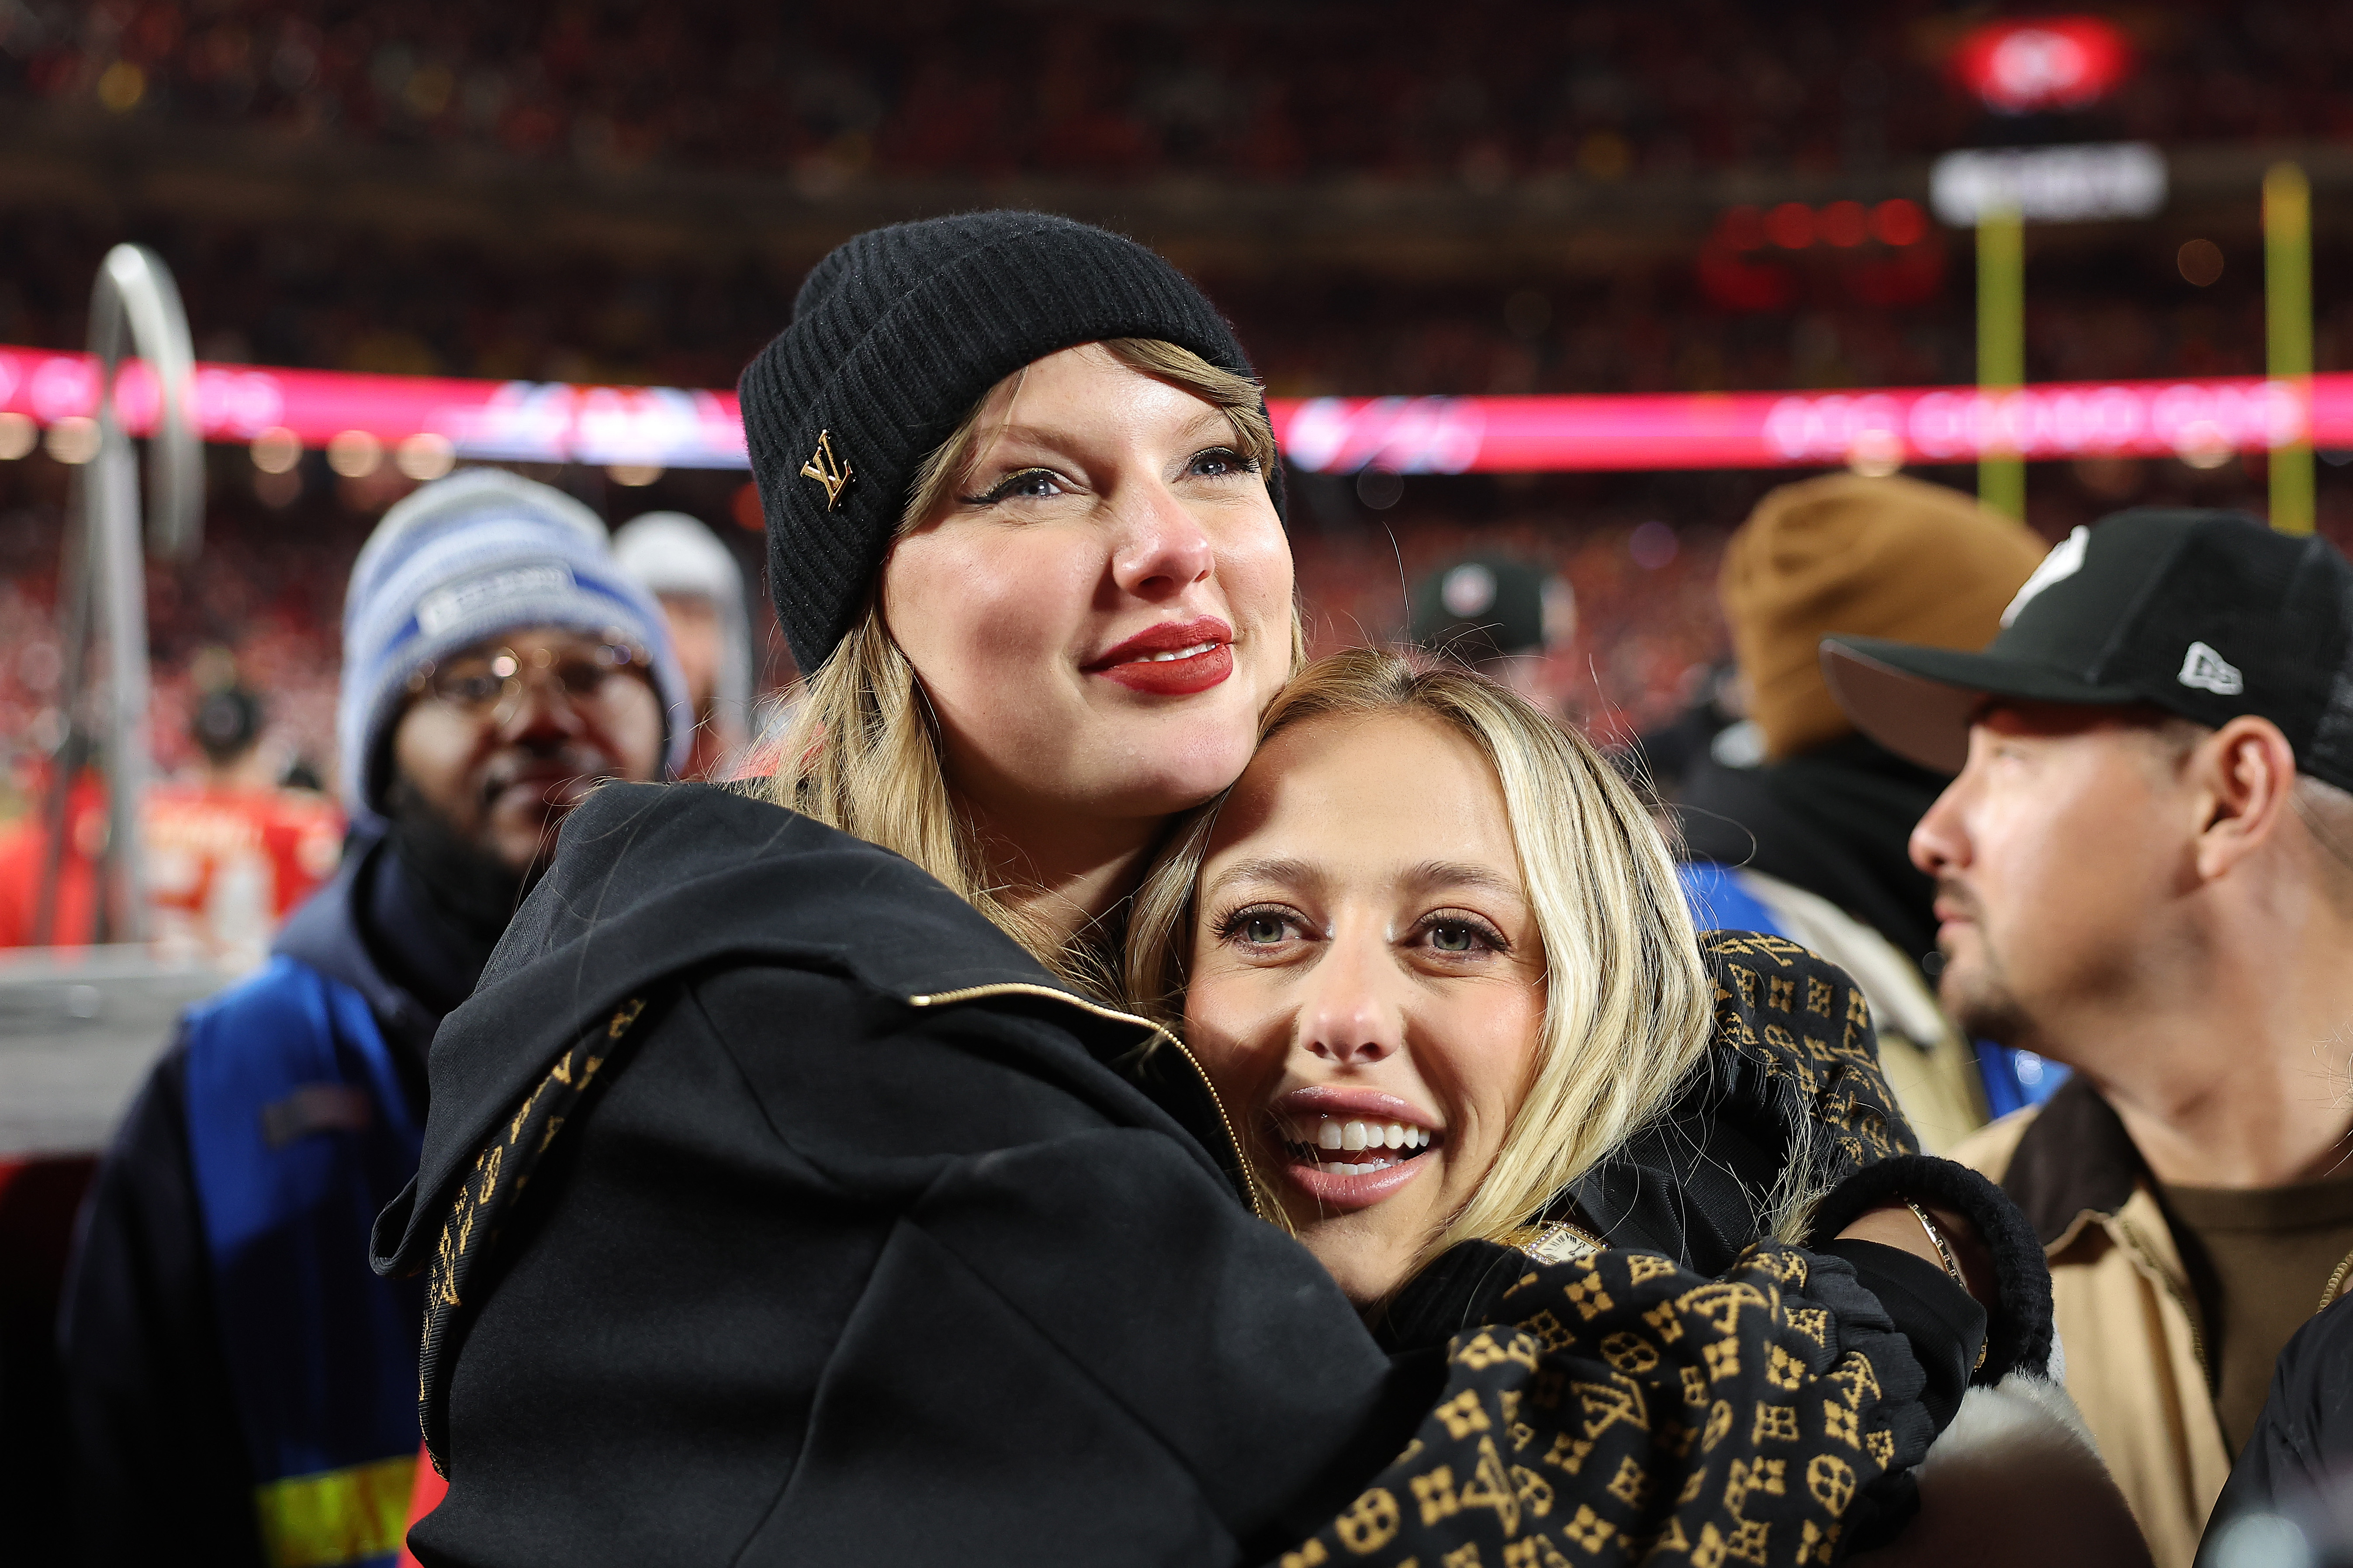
2137 611
2209 671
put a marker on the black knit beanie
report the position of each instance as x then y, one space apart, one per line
894 336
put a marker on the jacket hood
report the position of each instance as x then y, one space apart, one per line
652 880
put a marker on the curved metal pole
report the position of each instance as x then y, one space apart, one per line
134 288
134 305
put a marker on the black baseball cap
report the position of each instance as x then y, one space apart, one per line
2206 614
1481 608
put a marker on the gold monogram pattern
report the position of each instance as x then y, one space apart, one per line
1630 1411
499 1173
1807 1025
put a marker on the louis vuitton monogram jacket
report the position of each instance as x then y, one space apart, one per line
775 1208
1621 1410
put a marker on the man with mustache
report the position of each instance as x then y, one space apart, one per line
2145 871
241 1387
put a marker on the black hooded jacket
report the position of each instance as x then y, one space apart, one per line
849 1113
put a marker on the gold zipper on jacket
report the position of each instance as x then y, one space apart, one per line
1052 994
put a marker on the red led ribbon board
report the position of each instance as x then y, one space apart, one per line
2052 62
552 422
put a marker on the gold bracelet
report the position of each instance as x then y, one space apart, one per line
1936 1240
1945 1255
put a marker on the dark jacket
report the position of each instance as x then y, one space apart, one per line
2297 1462
1836 820
775 1208
163 1456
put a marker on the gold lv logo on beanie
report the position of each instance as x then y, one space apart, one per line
826 470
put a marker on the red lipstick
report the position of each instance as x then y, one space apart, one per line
1176 658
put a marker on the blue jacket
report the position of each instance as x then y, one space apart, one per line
241 1387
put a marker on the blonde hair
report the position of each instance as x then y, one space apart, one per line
1628 999
861 752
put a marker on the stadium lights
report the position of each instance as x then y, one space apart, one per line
2083 183
427 421
2050 63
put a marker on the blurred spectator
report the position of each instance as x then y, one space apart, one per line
1810 843
701 588
2145 870
1501 617
228 855
241 1387
1714 726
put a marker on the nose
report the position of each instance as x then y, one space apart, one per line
1349 1019
1163 549
1939 841
541 714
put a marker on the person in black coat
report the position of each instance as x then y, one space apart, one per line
792 1192
2290 1495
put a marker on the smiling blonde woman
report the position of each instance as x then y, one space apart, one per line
1614 1004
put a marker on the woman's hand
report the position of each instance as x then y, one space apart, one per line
1894 1224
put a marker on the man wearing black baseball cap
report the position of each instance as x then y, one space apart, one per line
2145 871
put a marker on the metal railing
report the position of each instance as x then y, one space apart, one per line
134 306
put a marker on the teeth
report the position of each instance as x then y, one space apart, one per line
1197 649
1330 1136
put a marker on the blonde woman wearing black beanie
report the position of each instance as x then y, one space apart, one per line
791 1191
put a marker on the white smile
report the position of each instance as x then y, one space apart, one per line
1195 651
1316 1139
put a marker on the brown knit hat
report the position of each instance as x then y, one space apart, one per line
1890 558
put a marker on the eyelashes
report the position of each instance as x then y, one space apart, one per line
1231 924
1012 483
1481 929
1429 931
1047 484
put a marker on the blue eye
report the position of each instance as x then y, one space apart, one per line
1218 463
1033 484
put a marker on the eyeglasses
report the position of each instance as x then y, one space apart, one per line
490 683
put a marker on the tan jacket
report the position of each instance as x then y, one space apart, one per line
2127 1320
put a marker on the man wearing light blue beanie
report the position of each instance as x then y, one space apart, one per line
240 1385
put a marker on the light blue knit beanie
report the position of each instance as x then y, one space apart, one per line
465 558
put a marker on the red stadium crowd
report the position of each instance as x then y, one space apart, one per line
1251 93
